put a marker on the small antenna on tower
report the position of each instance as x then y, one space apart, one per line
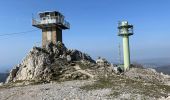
125 30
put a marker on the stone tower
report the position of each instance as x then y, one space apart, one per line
52 23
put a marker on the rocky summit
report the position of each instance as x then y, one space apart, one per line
57 73
55 62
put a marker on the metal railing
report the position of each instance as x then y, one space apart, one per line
125 32
35 22
125 28
51 20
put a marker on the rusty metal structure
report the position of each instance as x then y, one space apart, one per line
52 23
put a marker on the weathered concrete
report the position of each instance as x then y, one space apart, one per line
54 37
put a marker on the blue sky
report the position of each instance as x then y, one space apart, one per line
93 27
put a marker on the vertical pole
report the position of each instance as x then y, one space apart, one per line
126 52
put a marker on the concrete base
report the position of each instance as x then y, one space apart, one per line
51 35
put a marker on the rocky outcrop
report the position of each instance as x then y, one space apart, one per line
102 62
55 62
147 75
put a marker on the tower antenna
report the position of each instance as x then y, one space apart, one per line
125 30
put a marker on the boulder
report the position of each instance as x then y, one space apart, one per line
102 61
1 83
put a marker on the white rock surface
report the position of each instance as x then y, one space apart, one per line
1 83
54 91
46 63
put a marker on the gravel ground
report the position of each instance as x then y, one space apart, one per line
54 91
71 90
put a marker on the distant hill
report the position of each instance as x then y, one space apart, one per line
155 62
3 77
164 69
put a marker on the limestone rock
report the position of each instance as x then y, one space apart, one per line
148 75
102 61
78 56
50 63
1 83
12 74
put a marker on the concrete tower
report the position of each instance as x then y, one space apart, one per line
52 23
125 30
